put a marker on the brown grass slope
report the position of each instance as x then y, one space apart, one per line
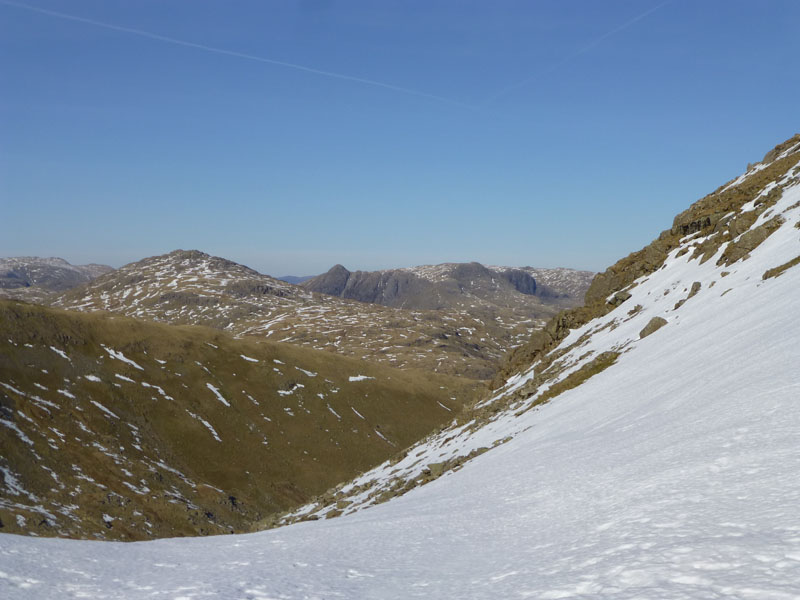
116 429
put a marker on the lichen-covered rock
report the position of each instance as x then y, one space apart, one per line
654 325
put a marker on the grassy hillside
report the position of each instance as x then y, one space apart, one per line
117 429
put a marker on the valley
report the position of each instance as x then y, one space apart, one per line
118 429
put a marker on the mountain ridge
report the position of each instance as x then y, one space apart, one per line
192 287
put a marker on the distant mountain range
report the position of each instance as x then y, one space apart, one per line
455 318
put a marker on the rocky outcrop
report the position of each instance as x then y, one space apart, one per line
749 241
396 288
334 282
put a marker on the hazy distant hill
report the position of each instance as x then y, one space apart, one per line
54 274
116 429
295 279
33 278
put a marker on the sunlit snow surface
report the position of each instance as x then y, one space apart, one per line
675 473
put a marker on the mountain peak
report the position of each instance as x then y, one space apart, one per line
338 270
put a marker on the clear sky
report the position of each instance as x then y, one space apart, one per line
543 133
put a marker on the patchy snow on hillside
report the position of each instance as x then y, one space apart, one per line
673 473
120 356
359 378
218 395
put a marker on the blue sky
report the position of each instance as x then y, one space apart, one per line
543 133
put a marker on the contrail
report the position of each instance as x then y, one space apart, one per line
223 51
575 54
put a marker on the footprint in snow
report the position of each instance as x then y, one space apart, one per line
353 574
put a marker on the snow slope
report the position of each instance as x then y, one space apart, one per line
670 474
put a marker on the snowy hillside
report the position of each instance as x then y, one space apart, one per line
649 452
697 278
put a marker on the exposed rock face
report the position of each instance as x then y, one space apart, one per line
335 281
389 288
445 286
53 274
749 241
522 281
